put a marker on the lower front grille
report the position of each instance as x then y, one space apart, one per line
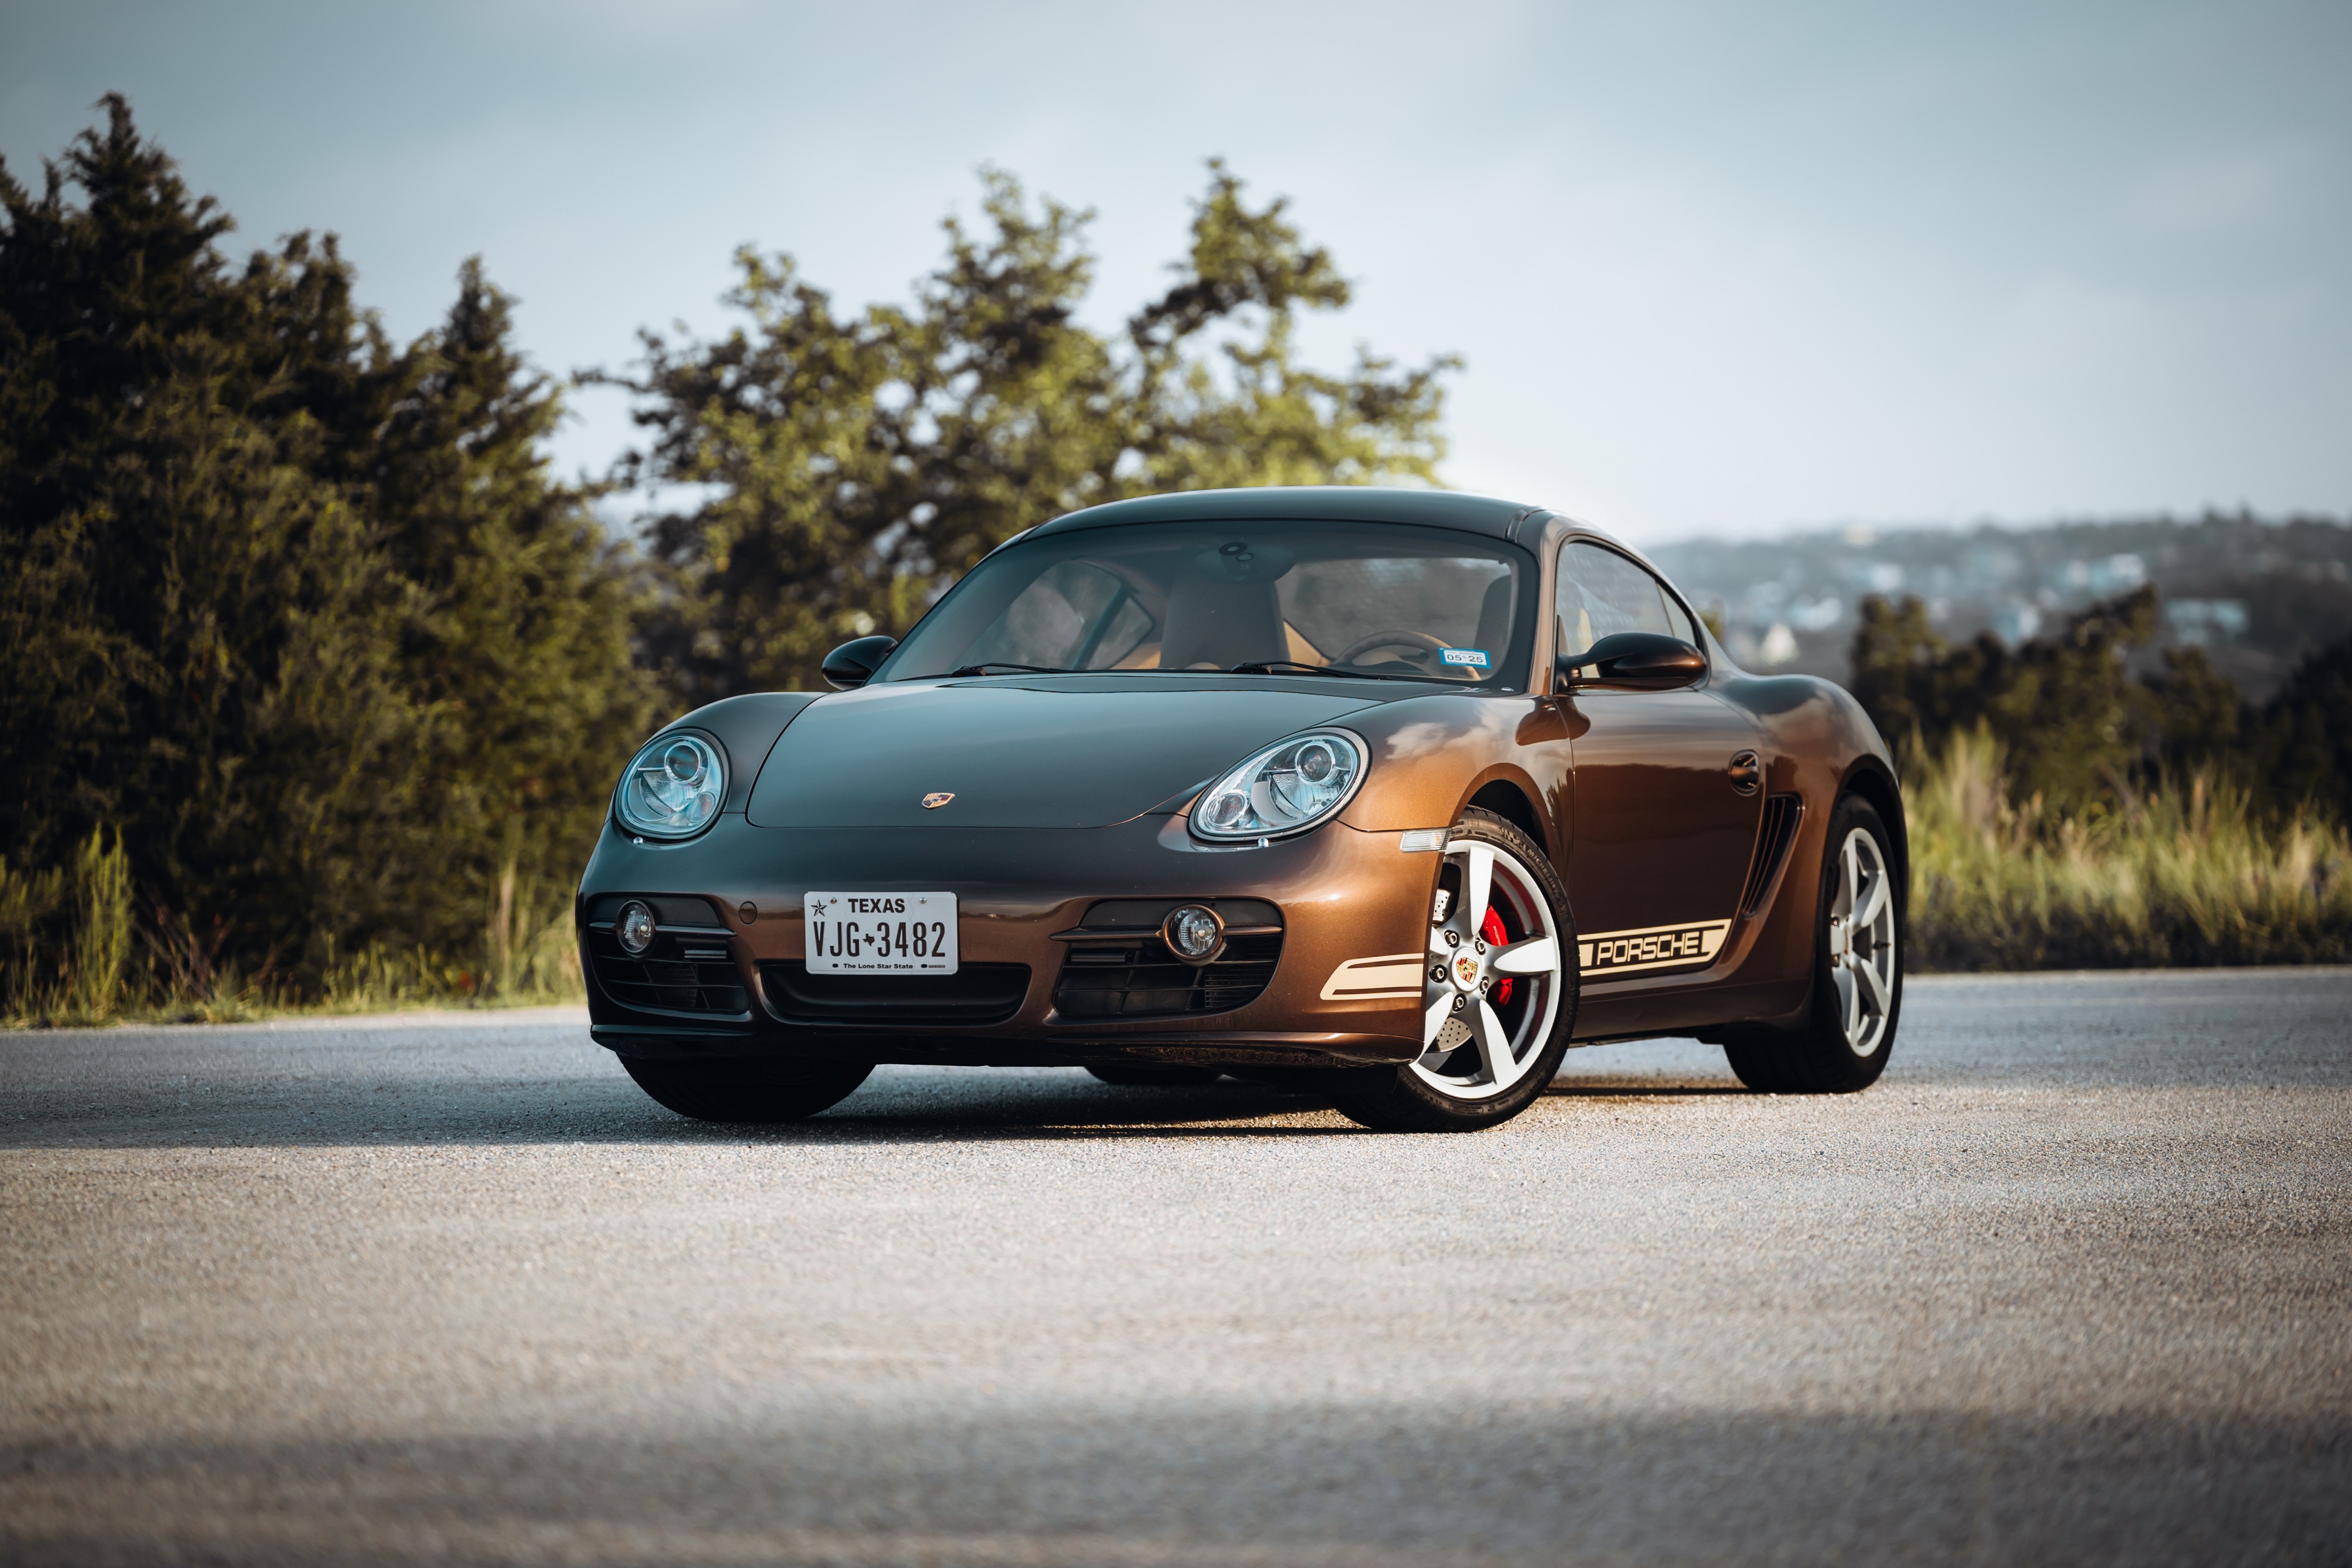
976 994
681 974
1118 968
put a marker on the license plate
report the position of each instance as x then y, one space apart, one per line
880 933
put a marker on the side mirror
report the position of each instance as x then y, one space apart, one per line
1633 658
852 663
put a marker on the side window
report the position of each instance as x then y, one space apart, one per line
1678 622
1600 592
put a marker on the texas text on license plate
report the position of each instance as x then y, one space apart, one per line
881 932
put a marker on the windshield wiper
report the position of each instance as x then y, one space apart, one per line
1263 667
1020 669
1282 666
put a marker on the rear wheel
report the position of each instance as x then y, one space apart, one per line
1499 994
746 1088
1137 1076
1857 973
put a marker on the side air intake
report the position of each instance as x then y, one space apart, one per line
1773 838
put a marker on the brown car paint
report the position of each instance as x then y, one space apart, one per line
1629 791
1115 749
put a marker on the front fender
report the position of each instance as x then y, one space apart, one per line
1430 755
747 729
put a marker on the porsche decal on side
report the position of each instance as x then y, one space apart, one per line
1653 947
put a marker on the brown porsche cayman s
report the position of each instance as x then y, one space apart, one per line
1392 796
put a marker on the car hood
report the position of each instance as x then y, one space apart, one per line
1017 757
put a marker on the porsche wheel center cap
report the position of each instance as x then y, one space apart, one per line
1466 971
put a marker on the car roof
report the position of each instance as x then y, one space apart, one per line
1484 515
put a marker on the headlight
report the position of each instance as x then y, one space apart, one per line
672 787
1285 788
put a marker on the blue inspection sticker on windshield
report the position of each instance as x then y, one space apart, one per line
1476 658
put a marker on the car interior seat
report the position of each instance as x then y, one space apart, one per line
1494 633
1222 624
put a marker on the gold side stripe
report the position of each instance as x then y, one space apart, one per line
1361 979
1651 948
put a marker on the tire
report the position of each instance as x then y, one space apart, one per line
1857 994
1133 1075
1484 1066
746 1088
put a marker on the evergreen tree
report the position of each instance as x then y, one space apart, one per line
200 624
517 647
302 618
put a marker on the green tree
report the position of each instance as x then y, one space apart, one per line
301 617
2071 721
2302 742
197 617
517 644
850 467
2191 716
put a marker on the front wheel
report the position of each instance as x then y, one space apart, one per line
1857 973
1499 993
746 1088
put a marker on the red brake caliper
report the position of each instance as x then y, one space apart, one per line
1491 928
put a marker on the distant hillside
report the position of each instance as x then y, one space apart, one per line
2256 595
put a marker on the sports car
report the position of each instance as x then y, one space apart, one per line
1391 797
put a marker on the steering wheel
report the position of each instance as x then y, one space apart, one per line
1363 645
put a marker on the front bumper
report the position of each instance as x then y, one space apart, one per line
1343 896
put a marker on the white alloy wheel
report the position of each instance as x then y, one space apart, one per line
1863 959
1493 984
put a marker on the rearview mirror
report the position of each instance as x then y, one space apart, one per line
1632 658
852 663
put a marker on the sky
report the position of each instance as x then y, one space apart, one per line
1716 269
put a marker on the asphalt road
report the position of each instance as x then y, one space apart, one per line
2072 1284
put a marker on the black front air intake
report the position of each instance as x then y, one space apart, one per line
688 969
976 994
1116 965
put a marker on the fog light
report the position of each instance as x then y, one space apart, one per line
634 927
1193 933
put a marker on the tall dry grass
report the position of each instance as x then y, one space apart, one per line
87 977
2186 875
72 952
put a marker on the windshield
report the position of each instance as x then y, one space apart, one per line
1370 598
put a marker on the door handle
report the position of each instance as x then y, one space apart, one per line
1745 772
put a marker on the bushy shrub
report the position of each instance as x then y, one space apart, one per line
2188 873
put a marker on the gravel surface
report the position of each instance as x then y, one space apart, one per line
2069 1284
